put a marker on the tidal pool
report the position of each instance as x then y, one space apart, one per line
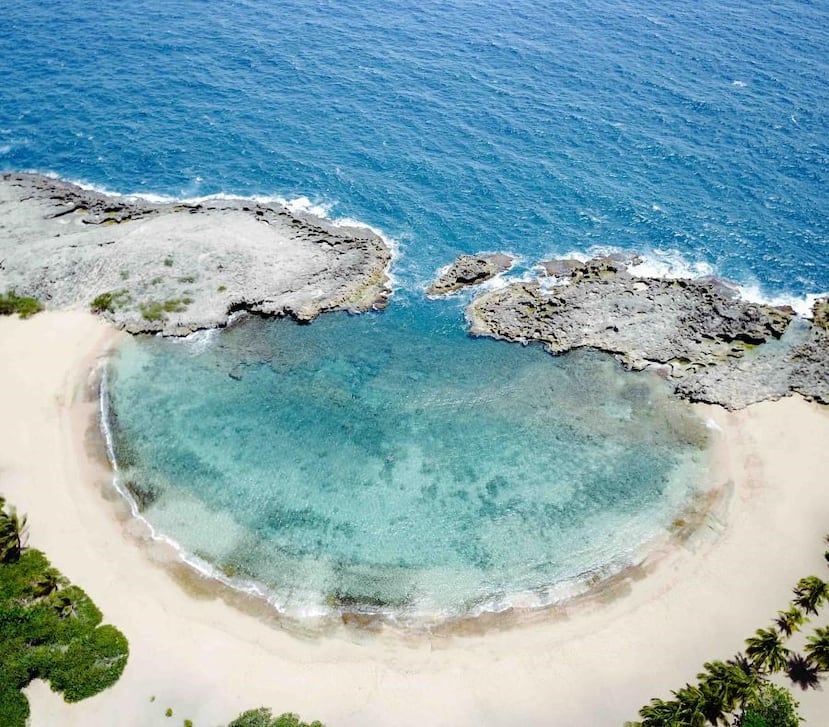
389 463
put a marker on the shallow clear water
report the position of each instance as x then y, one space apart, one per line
382 462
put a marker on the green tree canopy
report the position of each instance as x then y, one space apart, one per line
50 630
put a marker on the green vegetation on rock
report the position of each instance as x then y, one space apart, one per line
110 301
50 629
155 310
263 717
11 303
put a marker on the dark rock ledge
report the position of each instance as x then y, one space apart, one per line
698 333
470 270
180 267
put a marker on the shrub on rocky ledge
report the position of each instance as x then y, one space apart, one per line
11 303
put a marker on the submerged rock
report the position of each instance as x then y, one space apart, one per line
470 270
594 268
716 347
180 267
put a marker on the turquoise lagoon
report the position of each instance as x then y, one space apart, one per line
388 463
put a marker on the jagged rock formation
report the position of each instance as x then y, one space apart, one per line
178 267
716 347
470 270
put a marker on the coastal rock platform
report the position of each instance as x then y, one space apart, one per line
181 267
470 270
714 346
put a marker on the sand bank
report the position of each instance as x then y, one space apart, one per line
593 663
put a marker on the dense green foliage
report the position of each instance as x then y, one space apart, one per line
772 706
11 303
263 717
739 692
50 629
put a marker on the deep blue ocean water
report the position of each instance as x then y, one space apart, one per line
696 133
456 126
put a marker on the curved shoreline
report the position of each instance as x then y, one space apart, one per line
508 609
509 606
196 652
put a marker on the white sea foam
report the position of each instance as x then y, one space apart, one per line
802 305
198 341
670 264
303 205
673 265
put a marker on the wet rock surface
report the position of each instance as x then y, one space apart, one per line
181 267
716 347
470 270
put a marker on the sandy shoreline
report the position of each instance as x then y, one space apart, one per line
208 660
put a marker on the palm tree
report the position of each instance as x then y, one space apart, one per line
803 672
743 664
765 650
730 681
692 704
811 593
13 534
49 581
725 686
660 713
63 604
818 648
790 620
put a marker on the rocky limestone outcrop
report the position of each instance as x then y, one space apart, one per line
716 347
470 270
181 267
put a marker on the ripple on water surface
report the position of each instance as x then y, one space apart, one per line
388 462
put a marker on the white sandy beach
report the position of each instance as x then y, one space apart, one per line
208 660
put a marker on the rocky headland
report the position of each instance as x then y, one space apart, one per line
181 267
470 270
698 333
